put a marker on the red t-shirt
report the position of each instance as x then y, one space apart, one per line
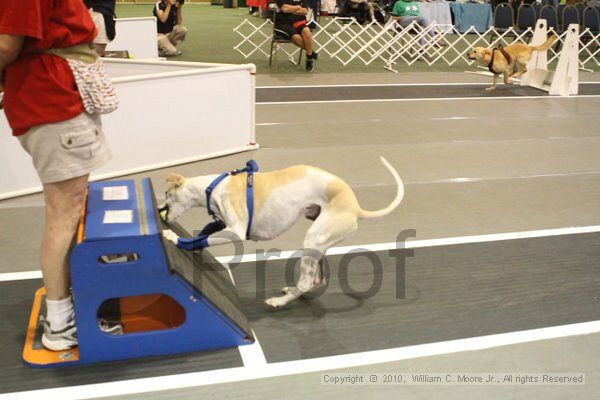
39 88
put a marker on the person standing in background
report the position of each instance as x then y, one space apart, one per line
103 15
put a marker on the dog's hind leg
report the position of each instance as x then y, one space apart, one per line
328 230
522 70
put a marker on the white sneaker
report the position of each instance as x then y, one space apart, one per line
112 328
60 340
66 338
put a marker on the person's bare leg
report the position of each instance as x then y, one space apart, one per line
298 41
371 11
308 41
64 201
100 49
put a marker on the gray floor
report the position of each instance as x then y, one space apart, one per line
545 356
342 78
389 92
16 301
470 167
443 293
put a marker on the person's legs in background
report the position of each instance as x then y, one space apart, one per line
165 47
311 55
178 34
299 34
100 49
371 10
430 32
407 20
308 41
101 39
167 43
298 41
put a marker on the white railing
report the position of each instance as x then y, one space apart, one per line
346 41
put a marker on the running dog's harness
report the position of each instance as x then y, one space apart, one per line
491 63
201 241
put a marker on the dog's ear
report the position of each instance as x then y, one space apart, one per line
175 181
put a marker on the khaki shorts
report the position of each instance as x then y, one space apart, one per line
67 149
167 42
98 19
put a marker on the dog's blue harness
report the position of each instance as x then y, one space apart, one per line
201 241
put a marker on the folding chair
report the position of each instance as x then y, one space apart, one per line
570 15
591 20
580 7
504 19
276 41
549 14
526 18
538 10
560 10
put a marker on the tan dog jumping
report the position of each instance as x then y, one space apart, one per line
280 198
511 61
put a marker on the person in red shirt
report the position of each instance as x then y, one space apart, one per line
46 114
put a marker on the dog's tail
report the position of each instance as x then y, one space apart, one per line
393 204
546 45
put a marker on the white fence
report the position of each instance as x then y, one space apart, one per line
137 36
345 40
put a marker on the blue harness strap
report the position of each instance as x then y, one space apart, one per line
201 241
251 168
208 192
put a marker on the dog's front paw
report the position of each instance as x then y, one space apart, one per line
490 89
276 302
170 236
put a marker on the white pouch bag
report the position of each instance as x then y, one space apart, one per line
97 91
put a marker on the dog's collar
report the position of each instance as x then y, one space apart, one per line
491 63
250 168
